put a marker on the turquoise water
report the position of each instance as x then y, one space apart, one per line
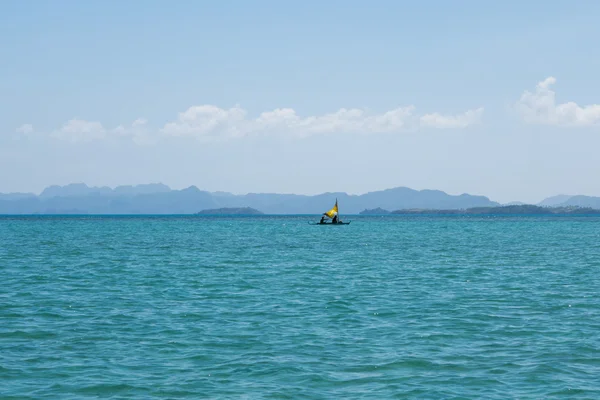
271 307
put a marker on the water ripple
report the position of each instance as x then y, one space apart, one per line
270 307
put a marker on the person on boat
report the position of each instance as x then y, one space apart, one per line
322 221
335 219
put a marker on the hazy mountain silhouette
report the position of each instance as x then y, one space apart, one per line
16 196
81 189
554 200
160 199
564 200
581 201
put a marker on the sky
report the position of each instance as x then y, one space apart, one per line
498 99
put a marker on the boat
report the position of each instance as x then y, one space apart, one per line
333 215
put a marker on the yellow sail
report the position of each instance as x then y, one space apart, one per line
333 212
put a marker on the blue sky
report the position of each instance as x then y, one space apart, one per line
246 96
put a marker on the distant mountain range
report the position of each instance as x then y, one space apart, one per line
79 198
160 199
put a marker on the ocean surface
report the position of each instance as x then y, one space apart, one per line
274 308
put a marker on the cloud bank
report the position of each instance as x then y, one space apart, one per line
208 121
540 108
212 123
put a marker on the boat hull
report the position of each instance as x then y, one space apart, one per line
329 223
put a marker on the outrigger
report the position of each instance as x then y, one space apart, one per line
334 215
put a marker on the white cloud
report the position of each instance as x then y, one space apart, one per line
25 129
209 121
540 108
436 120
77 130
139 122
137 131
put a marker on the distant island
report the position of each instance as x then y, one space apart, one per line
374 211
231 211
526 209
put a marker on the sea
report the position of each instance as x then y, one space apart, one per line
271 307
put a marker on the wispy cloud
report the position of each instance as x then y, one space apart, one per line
25 129
540 107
